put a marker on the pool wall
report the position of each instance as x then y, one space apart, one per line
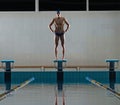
50 77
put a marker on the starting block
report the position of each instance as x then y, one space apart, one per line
7 65
60 64
112 73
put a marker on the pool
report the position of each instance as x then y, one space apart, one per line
75 94
50 76
77 90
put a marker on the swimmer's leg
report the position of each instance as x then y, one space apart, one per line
56 98
56 45
63 98
63 47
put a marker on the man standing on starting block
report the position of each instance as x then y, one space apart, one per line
59 31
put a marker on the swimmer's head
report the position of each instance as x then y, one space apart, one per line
58 11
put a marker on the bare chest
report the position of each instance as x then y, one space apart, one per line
59 21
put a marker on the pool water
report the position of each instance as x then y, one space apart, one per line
75 94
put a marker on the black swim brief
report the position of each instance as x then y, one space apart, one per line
59 34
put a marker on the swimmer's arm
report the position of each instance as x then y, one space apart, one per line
66 24
50 25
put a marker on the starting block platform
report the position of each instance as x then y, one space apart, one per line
112 60
59 64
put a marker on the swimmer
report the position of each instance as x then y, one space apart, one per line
59 32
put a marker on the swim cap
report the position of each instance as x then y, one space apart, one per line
58 11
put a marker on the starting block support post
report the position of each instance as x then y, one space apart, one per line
7 74
112 73
59 67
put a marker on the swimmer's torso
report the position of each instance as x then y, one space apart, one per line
59 24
